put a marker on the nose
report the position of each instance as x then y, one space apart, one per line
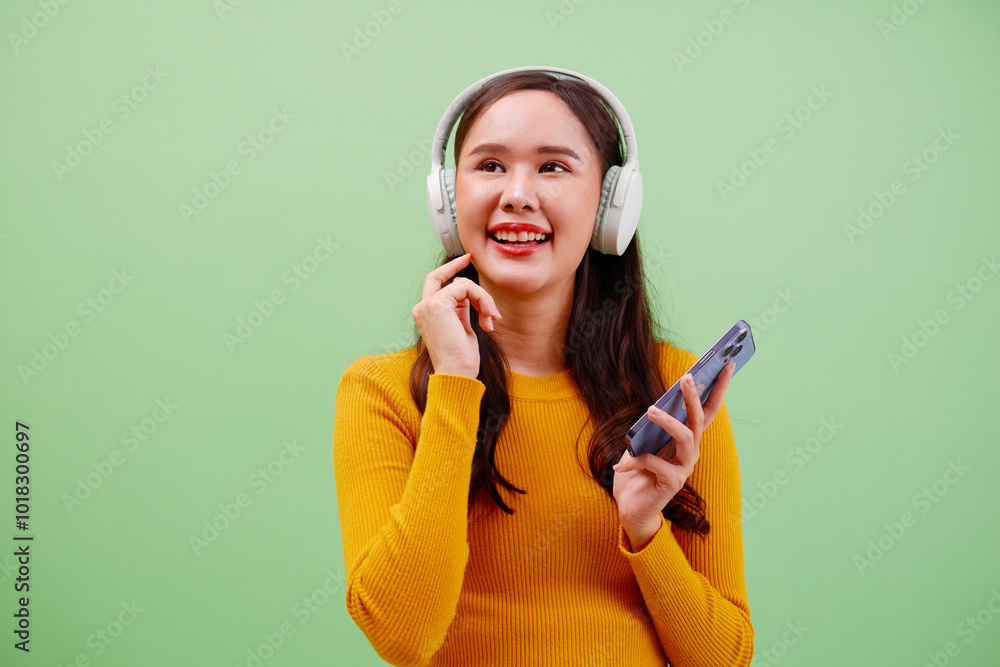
519 193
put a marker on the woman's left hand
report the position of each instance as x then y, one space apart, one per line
644 484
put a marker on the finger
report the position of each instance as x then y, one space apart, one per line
463 288
685 447
464 314
696 416
714 402
687 450
440 275
650 462
679 431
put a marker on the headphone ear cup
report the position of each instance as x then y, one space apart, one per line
607 192
449 224
448 183
441 208
627 215
616 224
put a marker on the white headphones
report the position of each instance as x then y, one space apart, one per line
621 190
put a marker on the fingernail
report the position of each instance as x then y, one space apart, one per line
489 323
496 314
655 410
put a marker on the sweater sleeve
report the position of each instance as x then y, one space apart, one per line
694 585
402 499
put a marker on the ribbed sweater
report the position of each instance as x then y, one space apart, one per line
555 583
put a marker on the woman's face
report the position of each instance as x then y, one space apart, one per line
527 165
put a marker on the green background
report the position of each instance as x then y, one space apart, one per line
848 299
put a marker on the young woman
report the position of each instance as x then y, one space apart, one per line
490 512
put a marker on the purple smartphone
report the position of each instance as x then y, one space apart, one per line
736 346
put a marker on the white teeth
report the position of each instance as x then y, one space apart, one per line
520 237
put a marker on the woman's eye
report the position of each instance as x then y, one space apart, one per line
553 166
490 166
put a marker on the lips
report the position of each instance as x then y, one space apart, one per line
517 249
511 238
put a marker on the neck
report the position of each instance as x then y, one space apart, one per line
533 329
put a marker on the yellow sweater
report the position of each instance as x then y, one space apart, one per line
555 583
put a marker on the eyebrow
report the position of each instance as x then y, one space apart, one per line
498 148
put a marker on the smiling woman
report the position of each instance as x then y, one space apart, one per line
489 510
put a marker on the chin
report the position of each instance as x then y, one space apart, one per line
522 279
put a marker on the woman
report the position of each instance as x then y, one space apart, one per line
489 510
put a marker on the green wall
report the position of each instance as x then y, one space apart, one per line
168 169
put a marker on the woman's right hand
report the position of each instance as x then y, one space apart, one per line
443 318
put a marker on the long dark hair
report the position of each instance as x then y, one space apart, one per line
609 342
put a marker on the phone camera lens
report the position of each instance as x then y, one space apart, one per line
729 348
743 334
737 350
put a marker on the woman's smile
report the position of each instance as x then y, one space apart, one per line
518 239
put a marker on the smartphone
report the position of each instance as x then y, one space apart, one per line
646 437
